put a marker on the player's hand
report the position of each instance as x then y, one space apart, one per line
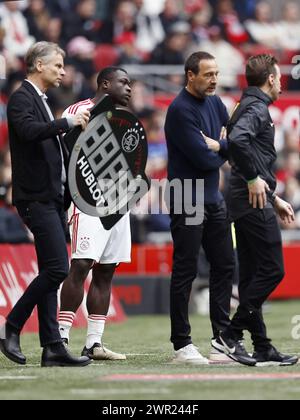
82 119
213 145
285 211
258 193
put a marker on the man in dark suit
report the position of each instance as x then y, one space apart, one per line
39 178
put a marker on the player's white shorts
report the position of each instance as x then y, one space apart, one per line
91 241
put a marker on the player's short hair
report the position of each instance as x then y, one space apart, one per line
192 63
41 50
259 68
107 74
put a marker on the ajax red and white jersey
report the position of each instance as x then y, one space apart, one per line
89 238
78 107
69 112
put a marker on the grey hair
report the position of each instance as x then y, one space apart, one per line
41 50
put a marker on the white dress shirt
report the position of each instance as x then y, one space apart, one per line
44 98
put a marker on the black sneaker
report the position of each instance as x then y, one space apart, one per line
218 353
236 351
217 344
272 357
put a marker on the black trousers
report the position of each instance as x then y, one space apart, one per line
261 268
47 223
215 236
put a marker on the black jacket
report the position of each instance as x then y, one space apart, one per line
251 135
35 152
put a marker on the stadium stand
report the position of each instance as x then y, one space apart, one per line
152 40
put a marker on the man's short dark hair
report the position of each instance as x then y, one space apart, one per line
259 68
192 63
107 74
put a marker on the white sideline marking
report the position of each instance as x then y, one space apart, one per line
203 377
32 365
118 391
17 378
141 354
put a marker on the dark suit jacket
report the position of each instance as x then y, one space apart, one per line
35 152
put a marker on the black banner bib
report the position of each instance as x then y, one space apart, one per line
107 163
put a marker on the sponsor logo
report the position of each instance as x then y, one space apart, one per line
10 284
296 68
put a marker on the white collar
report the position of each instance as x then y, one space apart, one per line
38 90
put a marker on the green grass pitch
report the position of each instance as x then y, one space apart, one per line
145 339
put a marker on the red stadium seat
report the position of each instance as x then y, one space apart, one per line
105 55
3 135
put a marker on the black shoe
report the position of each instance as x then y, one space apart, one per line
272 357
96 348
58 355
65 342
217 344
90 352
10 346
236 351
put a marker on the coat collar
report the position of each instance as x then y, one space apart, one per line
258 93
37 97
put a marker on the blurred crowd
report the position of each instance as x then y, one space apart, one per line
98 33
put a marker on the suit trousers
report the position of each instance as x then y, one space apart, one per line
215 236
261 267
46 220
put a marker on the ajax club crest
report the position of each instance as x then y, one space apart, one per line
131 140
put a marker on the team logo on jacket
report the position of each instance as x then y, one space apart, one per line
130 140
107 164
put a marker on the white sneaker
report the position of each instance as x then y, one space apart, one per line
190 354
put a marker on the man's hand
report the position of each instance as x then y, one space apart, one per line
82 119
213 145
284 210
258 193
